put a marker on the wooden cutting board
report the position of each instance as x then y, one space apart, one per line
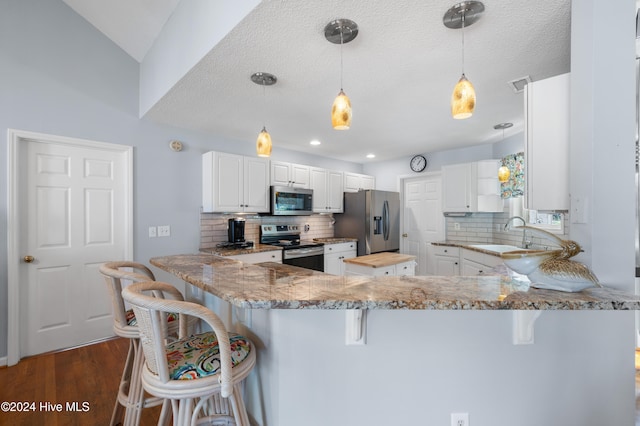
380 260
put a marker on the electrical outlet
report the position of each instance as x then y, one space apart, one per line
164 231
152 232
456 226
459 419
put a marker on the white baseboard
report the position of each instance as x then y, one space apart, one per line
3 361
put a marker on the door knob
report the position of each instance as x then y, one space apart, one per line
405 235
29 259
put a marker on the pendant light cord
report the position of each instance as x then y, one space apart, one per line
264 101
463 15
341 66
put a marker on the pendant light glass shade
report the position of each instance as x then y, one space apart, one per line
263 144
463 99
341 31
341 112
503 174
459 16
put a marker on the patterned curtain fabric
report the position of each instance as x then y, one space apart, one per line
514 187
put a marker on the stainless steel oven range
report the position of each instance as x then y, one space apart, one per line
306 254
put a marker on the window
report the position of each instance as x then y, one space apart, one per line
549 221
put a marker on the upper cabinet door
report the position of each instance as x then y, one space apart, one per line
457 188
318 182
233 183
547 144
219 168
328 190
256 186
299 175
289 174
280 173
335 191
354 182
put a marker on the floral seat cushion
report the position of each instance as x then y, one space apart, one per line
199 355
131 317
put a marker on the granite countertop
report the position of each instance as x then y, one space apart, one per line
334 240
380 260
277 286
226 251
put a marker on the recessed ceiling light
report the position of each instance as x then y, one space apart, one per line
315 142
371 156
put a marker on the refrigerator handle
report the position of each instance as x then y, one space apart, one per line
385 218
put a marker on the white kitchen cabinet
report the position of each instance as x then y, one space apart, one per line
334 255
381 264
446 260
355 270
456 188
406 269
354 182
289 174
547 144
234 183
471 187
263 256
476 263
328 189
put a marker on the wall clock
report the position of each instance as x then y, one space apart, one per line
418 163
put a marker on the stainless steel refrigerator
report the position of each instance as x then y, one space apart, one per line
373 217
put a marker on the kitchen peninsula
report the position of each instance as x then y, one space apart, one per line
276 286
305 325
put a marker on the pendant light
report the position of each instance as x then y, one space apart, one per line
463 98
263 143
503 172
341 31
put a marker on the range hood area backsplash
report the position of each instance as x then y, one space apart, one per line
213 226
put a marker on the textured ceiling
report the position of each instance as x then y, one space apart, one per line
399 73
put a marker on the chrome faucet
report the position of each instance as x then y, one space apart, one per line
525 243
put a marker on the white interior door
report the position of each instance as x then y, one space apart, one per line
77 199
423 221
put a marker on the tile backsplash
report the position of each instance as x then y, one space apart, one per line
489 228
213 226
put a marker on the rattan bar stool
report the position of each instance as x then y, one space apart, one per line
201 374
130 399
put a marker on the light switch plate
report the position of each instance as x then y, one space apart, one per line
164 231
152 232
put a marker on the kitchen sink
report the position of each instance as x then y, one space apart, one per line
498 248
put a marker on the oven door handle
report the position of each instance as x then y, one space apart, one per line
296 253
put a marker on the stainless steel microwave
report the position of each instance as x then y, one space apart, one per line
288 201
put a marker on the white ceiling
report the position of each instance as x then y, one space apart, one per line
399 71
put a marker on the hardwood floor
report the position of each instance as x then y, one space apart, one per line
88 375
